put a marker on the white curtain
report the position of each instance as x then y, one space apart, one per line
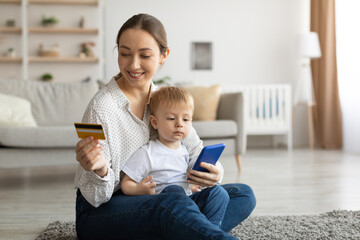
348 62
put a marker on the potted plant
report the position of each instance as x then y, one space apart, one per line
11 53
47 77
49 21
10 23
162 81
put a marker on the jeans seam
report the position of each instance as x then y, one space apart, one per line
223 215
169 211
117 213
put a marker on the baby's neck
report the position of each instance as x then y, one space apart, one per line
172 145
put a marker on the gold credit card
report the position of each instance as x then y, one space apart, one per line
88 129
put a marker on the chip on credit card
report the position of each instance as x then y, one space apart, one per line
88 129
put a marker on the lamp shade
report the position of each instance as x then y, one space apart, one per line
309 45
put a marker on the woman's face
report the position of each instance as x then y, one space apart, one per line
139 57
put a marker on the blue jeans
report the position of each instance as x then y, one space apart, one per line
164 216
212 201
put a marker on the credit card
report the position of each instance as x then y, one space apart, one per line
88 129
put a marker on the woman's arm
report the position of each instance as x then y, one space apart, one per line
94 176
130 187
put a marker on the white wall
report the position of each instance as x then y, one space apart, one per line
348 51
254 41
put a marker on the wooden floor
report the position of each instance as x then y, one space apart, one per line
297 182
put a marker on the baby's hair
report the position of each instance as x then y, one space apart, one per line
170 96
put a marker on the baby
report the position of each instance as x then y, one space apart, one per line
162 165
165 160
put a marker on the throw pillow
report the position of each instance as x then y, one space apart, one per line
15 111
206 101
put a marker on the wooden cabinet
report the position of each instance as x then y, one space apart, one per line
27 39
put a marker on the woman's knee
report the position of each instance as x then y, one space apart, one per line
241 190
220 193
250 194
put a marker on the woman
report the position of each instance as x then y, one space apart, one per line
102 210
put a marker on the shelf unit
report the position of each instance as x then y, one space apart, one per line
11 1
10 30
65 2
29 31
63 30
36 59
10 60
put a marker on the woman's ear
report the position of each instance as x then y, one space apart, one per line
153 121
164 56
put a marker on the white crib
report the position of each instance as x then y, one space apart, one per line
267 110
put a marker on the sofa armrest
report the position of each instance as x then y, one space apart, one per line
231 107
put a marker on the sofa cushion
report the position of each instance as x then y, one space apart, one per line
206 101
15 111
42 136
53 103
215 129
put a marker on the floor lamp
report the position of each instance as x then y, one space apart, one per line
309 48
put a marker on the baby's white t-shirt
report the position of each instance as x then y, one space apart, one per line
167 166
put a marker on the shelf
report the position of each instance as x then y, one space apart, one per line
10 30
10 60
37 59
63 30
11 1
65 2
26 35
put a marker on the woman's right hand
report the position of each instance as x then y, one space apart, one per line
90 156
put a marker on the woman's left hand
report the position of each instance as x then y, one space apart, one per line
205 179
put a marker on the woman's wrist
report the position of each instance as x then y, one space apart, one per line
102 172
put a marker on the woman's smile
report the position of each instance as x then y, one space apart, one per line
136 75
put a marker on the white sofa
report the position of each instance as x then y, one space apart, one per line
56 106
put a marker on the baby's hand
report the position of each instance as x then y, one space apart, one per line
146 186
195 188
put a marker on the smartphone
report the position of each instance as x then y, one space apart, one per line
209 154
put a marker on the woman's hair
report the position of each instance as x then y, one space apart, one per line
170 96
149 24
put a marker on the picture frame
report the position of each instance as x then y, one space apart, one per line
201 56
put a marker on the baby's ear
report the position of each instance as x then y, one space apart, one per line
153 121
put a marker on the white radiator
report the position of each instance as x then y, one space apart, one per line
267 110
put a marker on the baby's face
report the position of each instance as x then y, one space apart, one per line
173 122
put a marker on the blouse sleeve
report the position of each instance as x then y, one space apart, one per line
194 145
96 190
